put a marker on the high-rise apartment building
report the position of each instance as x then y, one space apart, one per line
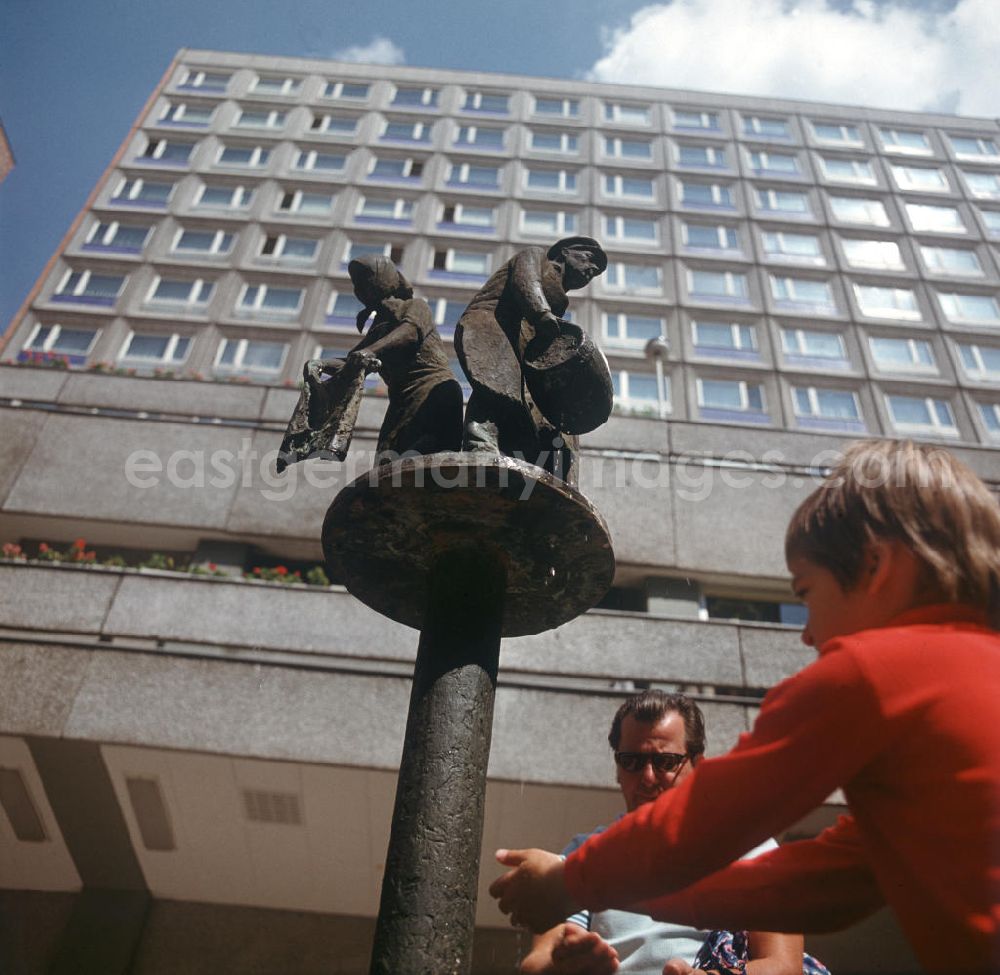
216 756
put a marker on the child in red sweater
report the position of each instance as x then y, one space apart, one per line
897 559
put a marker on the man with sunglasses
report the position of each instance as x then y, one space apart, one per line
657 739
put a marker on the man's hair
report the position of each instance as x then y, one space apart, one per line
918 494
651 706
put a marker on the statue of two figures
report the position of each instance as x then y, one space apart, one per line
537 380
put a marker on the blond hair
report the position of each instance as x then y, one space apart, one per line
918 494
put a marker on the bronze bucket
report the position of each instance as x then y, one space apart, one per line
568 379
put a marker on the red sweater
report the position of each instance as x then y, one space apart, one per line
905 719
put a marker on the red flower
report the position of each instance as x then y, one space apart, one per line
42 548
256 570
212 567
80 544
281 570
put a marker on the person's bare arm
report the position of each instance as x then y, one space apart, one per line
775 954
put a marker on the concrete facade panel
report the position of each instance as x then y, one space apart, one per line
255 615
73 600
25 383
37 687
770 655
79 468
19 431
624 647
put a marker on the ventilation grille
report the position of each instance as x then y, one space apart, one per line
272 807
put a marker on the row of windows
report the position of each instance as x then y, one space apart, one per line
795 294
693 195
720 399
786 166
892 138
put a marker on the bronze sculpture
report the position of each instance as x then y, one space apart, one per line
424 415
536 379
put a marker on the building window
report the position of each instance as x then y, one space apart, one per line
882 254
260 119
167 152
726 286
479 137
984 186
802 292
880 302
973 147
619 148
709 237
446 314
191 292
85 287
783 245
902 355
248 357
703 121
628 187
243 157
377 209
340 125
629 330
808 347
268 299
980 361
857 171
292 250
351 90
707 196
276 85
771 128
477 177
946 220
73 344
343 309
643 279
484 101
147 350
974 309
920 179
626 113
773 163
407 132
354 251
541 222
311 161
467 217
836 133
416 97
634 229
701 157
117 238
951 260
991 218
545 141
205 243
550 180
731 340
990 412
465 264
214 81
787 202
305 204
728 399
140 192
224 197
562 107
905 141
182 113
855 209
916 414
637 391
827 409
397 169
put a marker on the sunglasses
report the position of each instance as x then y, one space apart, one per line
661 761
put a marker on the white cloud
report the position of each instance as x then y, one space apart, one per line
891 55
380 50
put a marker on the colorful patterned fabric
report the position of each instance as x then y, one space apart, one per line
727 953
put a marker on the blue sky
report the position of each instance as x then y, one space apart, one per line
73 76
